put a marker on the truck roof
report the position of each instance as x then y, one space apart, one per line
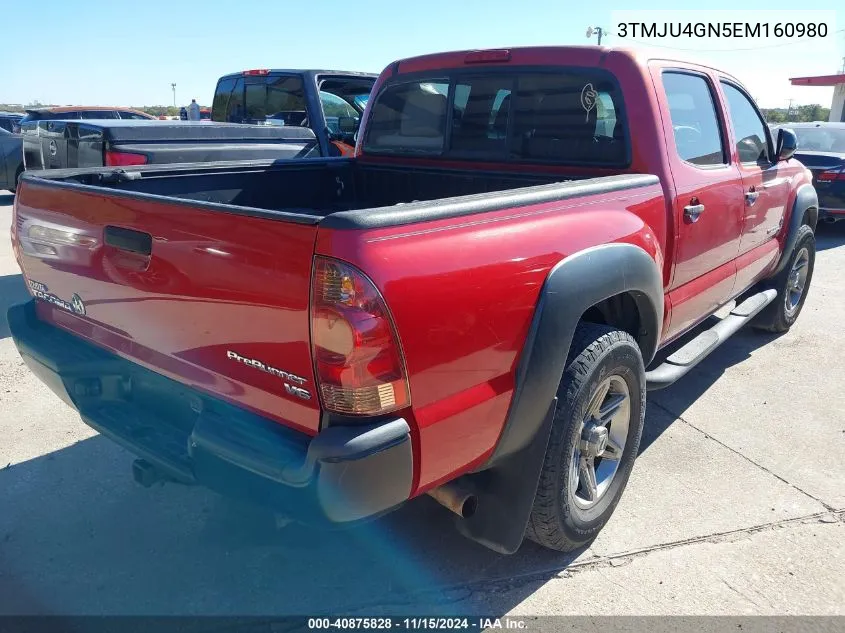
540 55
309 72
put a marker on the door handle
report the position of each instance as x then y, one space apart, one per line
692 211
751 197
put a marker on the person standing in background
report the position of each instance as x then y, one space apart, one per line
194 111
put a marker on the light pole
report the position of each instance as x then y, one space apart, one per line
597 30
174 94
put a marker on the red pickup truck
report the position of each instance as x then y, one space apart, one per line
469 307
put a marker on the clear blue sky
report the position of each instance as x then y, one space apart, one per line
128 53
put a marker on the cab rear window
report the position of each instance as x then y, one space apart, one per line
564 117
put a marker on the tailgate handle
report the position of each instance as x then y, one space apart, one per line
129 240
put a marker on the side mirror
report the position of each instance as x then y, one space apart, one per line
347 124
787 144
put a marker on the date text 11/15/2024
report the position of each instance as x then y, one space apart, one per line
417 623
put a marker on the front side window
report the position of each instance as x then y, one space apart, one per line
752 145
695 126
333 108
133 116
563 117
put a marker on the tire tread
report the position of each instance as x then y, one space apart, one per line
589 343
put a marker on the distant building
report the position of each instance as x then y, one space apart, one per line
837 107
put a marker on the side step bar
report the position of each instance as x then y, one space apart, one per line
680 362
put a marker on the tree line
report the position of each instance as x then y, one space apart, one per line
796 114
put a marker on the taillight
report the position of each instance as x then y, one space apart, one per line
831 174
256 72
357 359
118 159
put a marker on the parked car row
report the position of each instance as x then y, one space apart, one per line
319 110
10 121
469 307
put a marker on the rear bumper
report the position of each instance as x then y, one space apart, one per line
344 473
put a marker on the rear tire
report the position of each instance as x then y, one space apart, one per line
604 373
792 285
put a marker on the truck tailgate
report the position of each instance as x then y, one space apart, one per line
217 301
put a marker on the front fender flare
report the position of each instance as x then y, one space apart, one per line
805 198
508 483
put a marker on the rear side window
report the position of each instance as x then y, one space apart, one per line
132 116
565 117
5 124
235 107
221 98
98 114
698 136
56 116
752 144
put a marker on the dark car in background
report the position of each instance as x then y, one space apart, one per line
330 102
10 121
82 112
821 147
11 159
90 143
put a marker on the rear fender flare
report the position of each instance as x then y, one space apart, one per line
507 483
573 286
805 198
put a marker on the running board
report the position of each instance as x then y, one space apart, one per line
680 362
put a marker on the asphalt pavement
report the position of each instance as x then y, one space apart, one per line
736 506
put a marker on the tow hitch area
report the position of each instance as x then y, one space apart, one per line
144 473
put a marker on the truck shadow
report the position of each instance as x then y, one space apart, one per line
80 537
12 291
677 398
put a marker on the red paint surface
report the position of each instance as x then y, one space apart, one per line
461 291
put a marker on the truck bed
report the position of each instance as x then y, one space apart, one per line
350 193
170 261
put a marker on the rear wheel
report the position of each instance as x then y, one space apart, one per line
594 440
792 284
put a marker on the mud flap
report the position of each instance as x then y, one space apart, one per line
506 494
